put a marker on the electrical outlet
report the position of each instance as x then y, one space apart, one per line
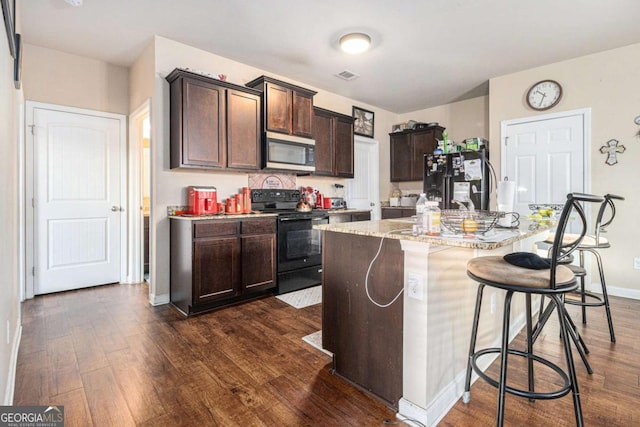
415 286
636 263
494 302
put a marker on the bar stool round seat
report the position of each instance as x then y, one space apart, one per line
528 274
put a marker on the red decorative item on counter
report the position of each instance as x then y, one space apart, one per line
326 203
202 200
246 197
231 205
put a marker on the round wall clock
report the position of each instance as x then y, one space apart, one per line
544 95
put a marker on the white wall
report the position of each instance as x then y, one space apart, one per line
61 78
608 83
9 218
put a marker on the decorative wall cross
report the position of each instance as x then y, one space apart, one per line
612 148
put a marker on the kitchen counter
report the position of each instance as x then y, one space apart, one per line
257 214
222 216
401 229
410 348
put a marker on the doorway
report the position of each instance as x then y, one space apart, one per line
140 192
548 156
76 187
363 191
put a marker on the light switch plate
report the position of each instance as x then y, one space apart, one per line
636 263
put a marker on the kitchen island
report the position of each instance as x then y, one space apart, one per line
411 353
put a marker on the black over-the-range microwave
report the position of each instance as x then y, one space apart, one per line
288 152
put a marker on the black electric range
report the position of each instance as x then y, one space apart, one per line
299 246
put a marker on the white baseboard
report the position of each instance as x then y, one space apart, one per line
159 299
13 362
616 291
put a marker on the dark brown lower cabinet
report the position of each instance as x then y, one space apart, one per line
337 218
258 257
220 262
216 268
388 213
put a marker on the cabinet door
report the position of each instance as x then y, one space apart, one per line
216 268
243 130
202 138
324 137
422 143
339 218
343 147
401 156
302 114
391 213
258 262
278 108
361 216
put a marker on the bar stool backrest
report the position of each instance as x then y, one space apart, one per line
560 248
601 224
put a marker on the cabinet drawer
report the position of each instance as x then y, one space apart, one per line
215 228
259 226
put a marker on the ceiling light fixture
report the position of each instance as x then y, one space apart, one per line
355 43
75 3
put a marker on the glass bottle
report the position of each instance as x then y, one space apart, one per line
420 208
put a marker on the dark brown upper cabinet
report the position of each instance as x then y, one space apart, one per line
408 149
333 133
287 108
214 124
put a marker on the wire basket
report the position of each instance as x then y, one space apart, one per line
469 222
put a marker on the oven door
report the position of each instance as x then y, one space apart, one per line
299 245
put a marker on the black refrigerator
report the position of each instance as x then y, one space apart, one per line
460 176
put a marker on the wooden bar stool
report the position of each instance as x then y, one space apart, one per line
530 274
591 244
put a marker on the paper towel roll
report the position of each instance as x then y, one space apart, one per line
506 197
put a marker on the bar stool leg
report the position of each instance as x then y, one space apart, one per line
562 317
605 295
529 345
466 396
504 353
583 297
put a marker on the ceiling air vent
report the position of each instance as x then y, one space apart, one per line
347 75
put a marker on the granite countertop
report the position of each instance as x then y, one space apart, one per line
257 214
222 216
401 229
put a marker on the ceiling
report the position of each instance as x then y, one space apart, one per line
424 52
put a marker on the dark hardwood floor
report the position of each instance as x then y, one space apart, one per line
112 359
610 396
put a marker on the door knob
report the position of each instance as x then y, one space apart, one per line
115 208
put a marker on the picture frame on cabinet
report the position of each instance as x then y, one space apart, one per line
17 63
363 122
9 13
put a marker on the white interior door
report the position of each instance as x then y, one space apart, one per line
546 157
363 190
77 199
